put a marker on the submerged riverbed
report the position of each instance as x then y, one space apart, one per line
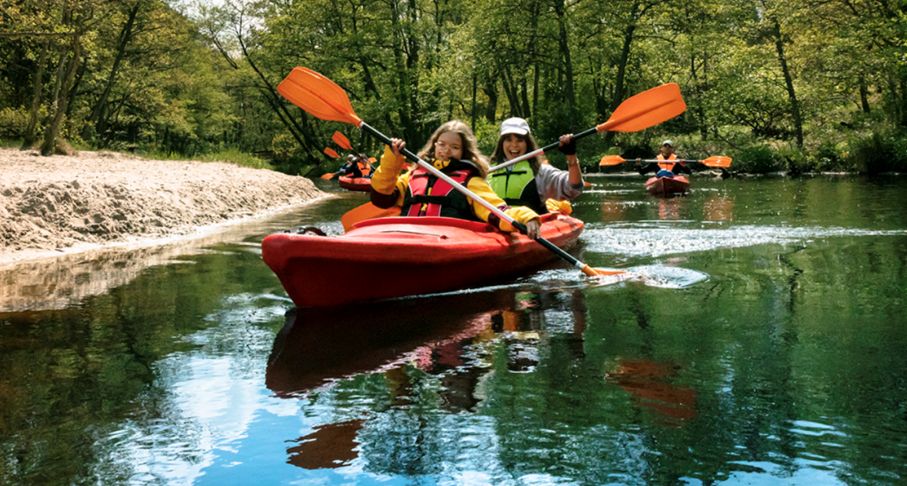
763 345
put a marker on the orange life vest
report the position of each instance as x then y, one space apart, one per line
364 167
666 164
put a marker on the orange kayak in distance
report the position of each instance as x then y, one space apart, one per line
667 186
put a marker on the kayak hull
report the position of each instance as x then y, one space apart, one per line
667 186
362 184
399 256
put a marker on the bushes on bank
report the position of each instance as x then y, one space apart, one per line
880 152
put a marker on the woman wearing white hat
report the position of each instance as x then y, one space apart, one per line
534 182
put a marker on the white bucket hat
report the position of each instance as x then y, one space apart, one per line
667 142
515 125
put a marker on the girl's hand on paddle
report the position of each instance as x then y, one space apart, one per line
392 160
525 216
384 179
533 228
397 146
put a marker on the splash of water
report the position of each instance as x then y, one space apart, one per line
658 239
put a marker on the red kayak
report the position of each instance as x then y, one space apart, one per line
667 186
392 257
363 184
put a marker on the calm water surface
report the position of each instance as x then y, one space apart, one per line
764 344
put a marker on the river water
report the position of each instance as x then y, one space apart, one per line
762 342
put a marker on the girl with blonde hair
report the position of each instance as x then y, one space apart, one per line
453 150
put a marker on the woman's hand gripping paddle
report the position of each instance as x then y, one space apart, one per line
324 99
638 112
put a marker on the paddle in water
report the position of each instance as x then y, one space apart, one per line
324 99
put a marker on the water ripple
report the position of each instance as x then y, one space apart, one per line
659 238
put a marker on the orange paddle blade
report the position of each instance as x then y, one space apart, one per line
366 211
611 160
646 109
327 176
318 96
601 272
341 141
719 161
331 153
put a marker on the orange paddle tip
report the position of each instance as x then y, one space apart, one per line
318 96
341 141
602 272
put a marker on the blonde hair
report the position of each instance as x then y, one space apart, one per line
470 144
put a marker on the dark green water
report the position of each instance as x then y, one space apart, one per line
787 364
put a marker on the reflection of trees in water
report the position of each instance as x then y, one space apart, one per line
433 355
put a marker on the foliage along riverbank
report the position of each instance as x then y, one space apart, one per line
766 82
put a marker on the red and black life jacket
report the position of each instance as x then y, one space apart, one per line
428 195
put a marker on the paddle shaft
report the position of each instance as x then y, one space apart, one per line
685 161
540 151
475 197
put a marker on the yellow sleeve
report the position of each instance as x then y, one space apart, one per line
385 175
394 196
481 188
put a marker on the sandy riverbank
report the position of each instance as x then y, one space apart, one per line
61 205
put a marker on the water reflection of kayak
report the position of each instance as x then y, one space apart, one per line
362 184
667 186
649 383
318 345
394 257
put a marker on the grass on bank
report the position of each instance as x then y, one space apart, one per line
230 156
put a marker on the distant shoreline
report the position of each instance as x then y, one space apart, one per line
61 205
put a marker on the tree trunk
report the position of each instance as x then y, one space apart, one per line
864 95
401 74
564 44
789 82
304 137
491 92
474 108
31 130
62 95
99 111
624 60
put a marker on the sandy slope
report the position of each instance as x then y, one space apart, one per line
60 204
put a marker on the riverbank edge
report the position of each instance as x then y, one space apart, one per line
57 206
9 261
